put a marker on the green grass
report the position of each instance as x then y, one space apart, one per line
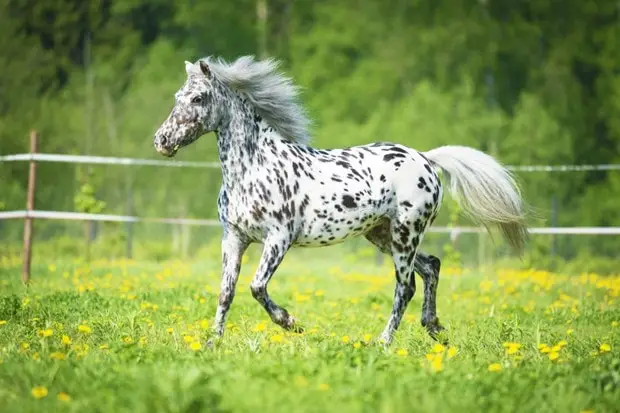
134 357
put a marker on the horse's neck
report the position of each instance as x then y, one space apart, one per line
244 146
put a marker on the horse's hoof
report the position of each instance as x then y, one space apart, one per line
293 327
297 329
383 341
435 332
212 342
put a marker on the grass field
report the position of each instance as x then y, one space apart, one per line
130 337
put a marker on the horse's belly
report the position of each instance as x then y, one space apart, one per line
330 230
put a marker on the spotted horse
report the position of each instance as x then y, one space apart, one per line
279 191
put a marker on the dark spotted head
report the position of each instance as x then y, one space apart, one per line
197 110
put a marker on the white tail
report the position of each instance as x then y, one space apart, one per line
485 190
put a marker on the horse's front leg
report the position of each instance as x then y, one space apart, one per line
273 253
233 247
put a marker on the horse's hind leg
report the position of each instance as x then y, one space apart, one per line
428 267
404 244
425 264
273 253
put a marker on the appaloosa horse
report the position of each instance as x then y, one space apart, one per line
279 191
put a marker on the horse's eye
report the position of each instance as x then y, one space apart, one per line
197 99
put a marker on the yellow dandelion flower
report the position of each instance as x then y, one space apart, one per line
262 326
66 340
46 333
452 351
2 322
188 338
438 348
324 386
562 343
57 356
301 298
24 346
39 392
195 346
554 355
84 329
494 367
544 348
402 352
170 330
204 324
437 363
570 331
277 338
319 293
357 345
104 347
63 397
614 324
127 340
345 339
605 348
512 348
36 356
556 348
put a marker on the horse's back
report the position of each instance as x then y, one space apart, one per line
352 189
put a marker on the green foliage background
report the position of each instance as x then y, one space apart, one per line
532 83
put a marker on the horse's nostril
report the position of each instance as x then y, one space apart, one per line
163 140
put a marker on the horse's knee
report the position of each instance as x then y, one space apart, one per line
435 264
259 290
226 296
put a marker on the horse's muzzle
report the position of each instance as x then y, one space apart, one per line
162 145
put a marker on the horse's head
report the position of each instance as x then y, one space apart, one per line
197 110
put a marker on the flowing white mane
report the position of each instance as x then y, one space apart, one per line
274 95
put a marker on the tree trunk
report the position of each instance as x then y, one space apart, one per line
261 18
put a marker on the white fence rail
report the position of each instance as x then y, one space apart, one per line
112 160
78 216
109 160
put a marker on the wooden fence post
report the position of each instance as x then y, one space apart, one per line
34 138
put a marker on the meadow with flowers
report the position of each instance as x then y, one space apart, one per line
129 336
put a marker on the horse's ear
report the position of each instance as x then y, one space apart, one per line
188 67
204 67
